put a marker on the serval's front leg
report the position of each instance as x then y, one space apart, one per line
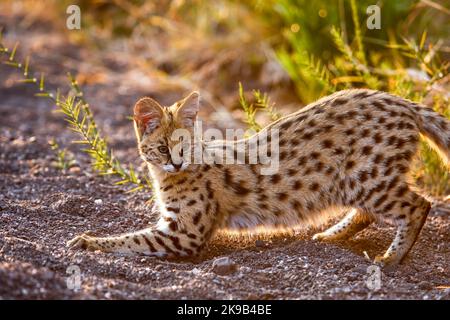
174 236
148 241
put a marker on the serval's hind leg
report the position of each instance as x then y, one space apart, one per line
409 215
355 221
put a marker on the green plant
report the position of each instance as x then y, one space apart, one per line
357 62
64 159
261 102
80 119
361 55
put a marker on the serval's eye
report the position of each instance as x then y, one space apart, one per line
163 149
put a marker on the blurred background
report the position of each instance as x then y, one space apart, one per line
284 53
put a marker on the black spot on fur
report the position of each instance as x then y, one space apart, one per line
327 143
297 185
340 101
350 164
366 150
275 178
191 202
282 196
314 186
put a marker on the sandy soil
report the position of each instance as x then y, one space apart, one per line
42 207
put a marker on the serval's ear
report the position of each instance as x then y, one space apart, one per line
147 116
188 109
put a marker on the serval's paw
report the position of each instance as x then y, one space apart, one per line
318 237
386 261
323 236
83 241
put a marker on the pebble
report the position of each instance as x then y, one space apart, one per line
48 275
425 285
361 269
245 269
354 276
196 271
224 266
75 170
260 243
98 202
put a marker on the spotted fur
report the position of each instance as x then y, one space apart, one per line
352 150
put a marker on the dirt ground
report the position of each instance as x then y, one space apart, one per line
42 207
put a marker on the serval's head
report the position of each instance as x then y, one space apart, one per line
162 132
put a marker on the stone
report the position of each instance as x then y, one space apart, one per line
224 266
260 244
425 285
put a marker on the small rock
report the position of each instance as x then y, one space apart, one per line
425 285
353 276
98 202
260 243
48 275
224 266
196 271
74 170
361 269
245 269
